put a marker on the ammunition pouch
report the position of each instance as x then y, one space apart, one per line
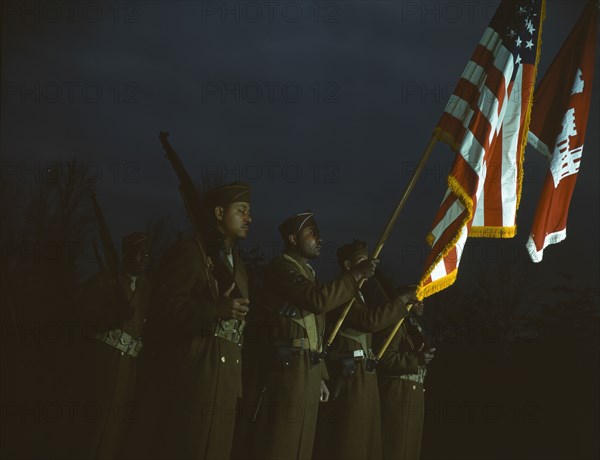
288 310
122 341
345 369
419 377
343 364
230 330
285 353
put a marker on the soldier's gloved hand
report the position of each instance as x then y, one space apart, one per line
429 355
365 269
409 295
228 308
425 357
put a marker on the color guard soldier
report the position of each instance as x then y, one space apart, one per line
197 323
288 404
402 371
349 426
119 314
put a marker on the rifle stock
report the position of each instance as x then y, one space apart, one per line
108 248
194 207
109 266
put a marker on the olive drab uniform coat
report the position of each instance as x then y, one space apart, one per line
401 375
349 425
116 350
196 356
286 421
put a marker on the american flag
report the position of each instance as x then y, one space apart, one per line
486 122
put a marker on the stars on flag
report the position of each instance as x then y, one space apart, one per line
529 26
518 29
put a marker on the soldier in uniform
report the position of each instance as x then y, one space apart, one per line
286 418
349 425
118 313
402 371
197 321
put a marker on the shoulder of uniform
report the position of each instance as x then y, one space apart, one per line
285 269
278 262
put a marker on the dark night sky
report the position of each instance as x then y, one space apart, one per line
384 71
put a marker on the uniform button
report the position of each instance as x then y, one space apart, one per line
414 387
122 354
237 361
222 359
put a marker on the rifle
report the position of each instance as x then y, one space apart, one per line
109 267
111 264
99 261
194 207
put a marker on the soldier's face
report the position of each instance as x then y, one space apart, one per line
418 309
350 264
136 261
235 219
309 242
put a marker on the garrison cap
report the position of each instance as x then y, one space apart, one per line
297 222
227 194
351 250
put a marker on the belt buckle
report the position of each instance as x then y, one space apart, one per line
358 354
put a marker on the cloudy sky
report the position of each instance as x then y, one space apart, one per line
320 105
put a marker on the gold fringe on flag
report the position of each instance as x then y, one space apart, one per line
437 286
467 202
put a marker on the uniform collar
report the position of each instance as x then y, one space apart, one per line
300 260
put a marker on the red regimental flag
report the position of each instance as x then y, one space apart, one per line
558 124
486 122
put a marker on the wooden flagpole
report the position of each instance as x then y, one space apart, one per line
384 236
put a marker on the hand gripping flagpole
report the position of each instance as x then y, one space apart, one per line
384 236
